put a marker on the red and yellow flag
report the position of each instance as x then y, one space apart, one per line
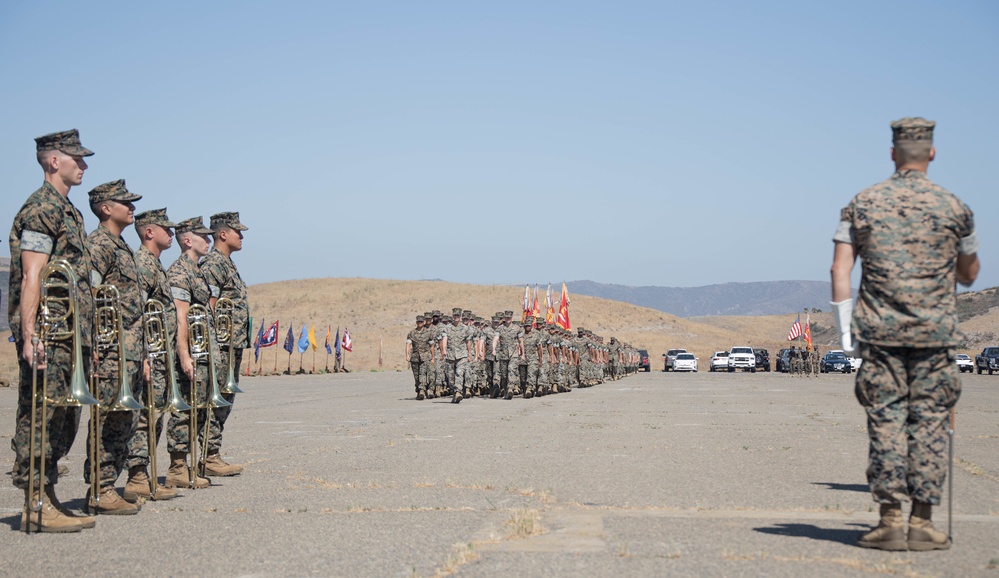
563 310
808 332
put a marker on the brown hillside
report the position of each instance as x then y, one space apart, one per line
386 309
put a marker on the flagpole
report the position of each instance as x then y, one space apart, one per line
313 361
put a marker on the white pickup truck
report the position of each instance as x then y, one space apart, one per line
741 358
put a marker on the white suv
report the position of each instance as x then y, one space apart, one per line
742 358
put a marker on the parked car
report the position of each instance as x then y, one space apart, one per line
741 358
685 362
762 359
988 360
670 356
643 360
854 361
835 361
964 363
783 363
719 361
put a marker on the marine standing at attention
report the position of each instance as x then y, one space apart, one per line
915 241
48 228
116 277
224 282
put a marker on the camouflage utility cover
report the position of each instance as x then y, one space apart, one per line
67 141
112 191
907 231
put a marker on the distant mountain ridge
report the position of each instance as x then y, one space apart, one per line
758 298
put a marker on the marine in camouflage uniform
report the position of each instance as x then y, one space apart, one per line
189 287
415 360
806 362
225 282
915 241
458 347
816 358
438 371
513 342
473 354
113 264
155 233
490 338
48 227
532 356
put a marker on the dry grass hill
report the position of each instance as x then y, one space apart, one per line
384 311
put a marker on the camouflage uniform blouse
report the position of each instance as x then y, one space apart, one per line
113 263
49 223
225 282
413 339
907 232
156 285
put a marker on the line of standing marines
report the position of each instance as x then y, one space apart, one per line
465 356
48 232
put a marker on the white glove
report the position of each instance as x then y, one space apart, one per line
843 313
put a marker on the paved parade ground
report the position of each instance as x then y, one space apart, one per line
657 474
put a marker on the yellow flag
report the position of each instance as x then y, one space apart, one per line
312 338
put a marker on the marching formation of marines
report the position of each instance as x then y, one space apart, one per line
464 355
80 300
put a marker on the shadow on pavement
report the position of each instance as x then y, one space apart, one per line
844 487
13 521
842 536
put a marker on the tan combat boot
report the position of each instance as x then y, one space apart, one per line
922 535
178 476
48 520
216 466
890 533
110 503
86 522
138 487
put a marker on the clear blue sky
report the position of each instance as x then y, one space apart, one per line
657 143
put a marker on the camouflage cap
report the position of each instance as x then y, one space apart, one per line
496 318
113 191
154 217
67 141
912 128
456 311
466 312
428 315
529 320
436 313
230 219
193 225
498 314
420 318
508 314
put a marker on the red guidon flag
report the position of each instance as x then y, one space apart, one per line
808 332
550 307
563 310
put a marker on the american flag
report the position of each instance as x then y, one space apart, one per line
795 330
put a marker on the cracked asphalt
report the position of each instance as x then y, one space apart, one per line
684 474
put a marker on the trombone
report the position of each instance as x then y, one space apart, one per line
159 344
108 334
224 308
52 326
199 341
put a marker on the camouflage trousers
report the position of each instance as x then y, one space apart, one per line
61 423
419 374
532 371
218 416
439 373
116 427
470 368
178 426
457 369
502 374
907 394
489 369
513 373
138 446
